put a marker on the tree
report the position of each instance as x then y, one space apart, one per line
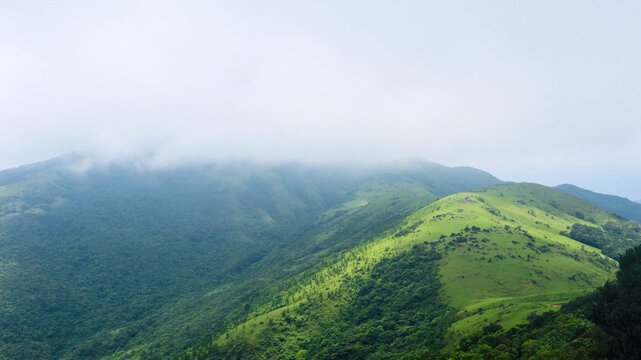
617 307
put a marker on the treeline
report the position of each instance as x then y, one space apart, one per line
612 238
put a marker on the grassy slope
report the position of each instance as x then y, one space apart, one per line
525 274
514 264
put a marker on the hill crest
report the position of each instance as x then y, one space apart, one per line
502 256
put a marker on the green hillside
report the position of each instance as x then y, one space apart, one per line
122 260
243 260
488 257
601 325
614 204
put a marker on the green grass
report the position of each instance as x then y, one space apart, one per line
503 258
505 262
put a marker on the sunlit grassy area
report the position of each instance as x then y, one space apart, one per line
502 259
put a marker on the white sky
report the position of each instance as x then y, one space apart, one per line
541 91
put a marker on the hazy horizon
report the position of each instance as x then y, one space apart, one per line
542 92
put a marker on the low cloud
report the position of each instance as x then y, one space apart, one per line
543 91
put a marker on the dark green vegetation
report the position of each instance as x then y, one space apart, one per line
393 312
602 325
551 335
614 204
617 308
290 261
613 238
120 261
500 258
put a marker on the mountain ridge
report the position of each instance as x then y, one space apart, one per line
466 246
611 203
120 251
144 262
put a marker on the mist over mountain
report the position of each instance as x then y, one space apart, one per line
459 84
320 180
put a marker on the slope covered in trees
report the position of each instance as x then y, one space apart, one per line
120 260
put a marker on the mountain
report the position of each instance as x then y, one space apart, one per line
242 260
459 264
614 204
123 260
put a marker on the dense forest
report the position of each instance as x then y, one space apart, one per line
247 261
120 258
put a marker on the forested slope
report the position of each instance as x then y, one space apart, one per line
124 259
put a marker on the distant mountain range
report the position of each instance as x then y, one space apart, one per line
611 203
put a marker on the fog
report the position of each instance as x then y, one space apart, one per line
541 91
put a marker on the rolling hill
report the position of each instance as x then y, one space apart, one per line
461 263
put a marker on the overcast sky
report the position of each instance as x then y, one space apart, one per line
541 91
